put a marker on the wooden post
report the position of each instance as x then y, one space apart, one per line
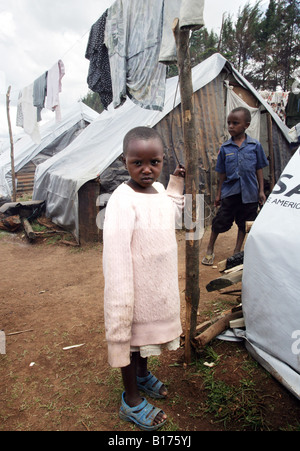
192 291
271 151
11 146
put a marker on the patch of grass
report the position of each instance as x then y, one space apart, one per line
237 404
295 428
26 197
36 227
53 240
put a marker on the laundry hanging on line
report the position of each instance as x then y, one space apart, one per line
54 88
99 78
129 46
27 114
43 92
278 100
132 36
39 94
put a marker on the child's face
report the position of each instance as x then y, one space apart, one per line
144 161
237 124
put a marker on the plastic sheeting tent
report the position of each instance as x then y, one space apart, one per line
58 180
271 281
55 136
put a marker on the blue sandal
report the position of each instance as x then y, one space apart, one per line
150 385
142 415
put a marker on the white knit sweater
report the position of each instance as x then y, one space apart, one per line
141 296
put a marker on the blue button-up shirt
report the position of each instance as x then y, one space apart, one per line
240 165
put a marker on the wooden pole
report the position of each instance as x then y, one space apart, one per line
271 151
11 146
192 291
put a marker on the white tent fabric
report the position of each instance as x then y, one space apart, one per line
25 149
59 179
271 281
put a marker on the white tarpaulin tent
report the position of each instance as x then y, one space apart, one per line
25 150
271 281
58 180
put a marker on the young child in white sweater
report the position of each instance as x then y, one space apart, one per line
141 296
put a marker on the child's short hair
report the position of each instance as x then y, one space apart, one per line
246 112
143 133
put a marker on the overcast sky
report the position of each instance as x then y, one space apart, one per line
35 34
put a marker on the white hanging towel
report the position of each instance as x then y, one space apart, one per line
27 114
190 15
54 88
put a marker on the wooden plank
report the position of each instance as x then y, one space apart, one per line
234 269
237 323
225 281
222 265
88 211
203 326
216 329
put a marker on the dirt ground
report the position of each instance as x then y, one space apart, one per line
53 294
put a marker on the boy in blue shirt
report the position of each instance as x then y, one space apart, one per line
240 166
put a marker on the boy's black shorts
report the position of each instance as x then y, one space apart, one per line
232 209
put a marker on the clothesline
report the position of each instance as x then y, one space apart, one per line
45 88
17 90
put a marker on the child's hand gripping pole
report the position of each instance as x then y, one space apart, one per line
179 171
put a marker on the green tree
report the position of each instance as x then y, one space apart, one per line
278 51
263 74
264 47
203 44
92 99
289 45
227 42
246 31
